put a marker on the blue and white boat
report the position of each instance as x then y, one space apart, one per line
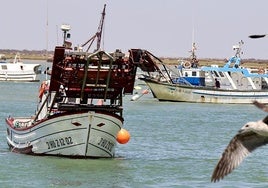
238 85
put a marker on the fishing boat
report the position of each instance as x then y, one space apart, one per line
19 71
80 112
236 84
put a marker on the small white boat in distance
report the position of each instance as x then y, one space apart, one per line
18 71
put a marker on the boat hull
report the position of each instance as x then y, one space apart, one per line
88 134
19 72
15 76
179 93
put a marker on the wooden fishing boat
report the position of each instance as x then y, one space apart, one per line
81 107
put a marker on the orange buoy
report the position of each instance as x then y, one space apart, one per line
123 136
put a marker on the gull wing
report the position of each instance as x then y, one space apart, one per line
265 120
239 148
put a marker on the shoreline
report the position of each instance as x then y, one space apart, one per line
43 55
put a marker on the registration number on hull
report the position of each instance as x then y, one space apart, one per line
107 145
56 143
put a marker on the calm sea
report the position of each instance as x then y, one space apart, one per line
172 145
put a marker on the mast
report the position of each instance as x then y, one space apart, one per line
47 40
98 34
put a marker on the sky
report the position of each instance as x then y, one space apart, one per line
166 28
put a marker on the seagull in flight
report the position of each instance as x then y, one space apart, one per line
251 136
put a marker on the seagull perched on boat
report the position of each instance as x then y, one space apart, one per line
251 136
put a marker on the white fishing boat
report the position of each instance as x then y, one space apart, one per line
80 112
19 71
238 85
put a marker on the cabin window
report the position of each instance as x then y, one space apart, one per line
221 73
4 67
216 73
194 73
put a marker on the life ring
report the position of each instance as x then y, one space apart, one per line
42 89
187 64
261 71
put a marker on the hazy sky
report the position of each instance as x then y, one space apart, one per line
164 27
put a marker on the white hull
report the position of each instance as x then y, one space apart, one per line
88 134
18 76
19 72
171 92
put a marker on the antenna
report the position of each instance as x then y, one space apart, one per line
238 48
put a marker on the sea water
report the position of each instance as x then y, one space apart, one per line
171 145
